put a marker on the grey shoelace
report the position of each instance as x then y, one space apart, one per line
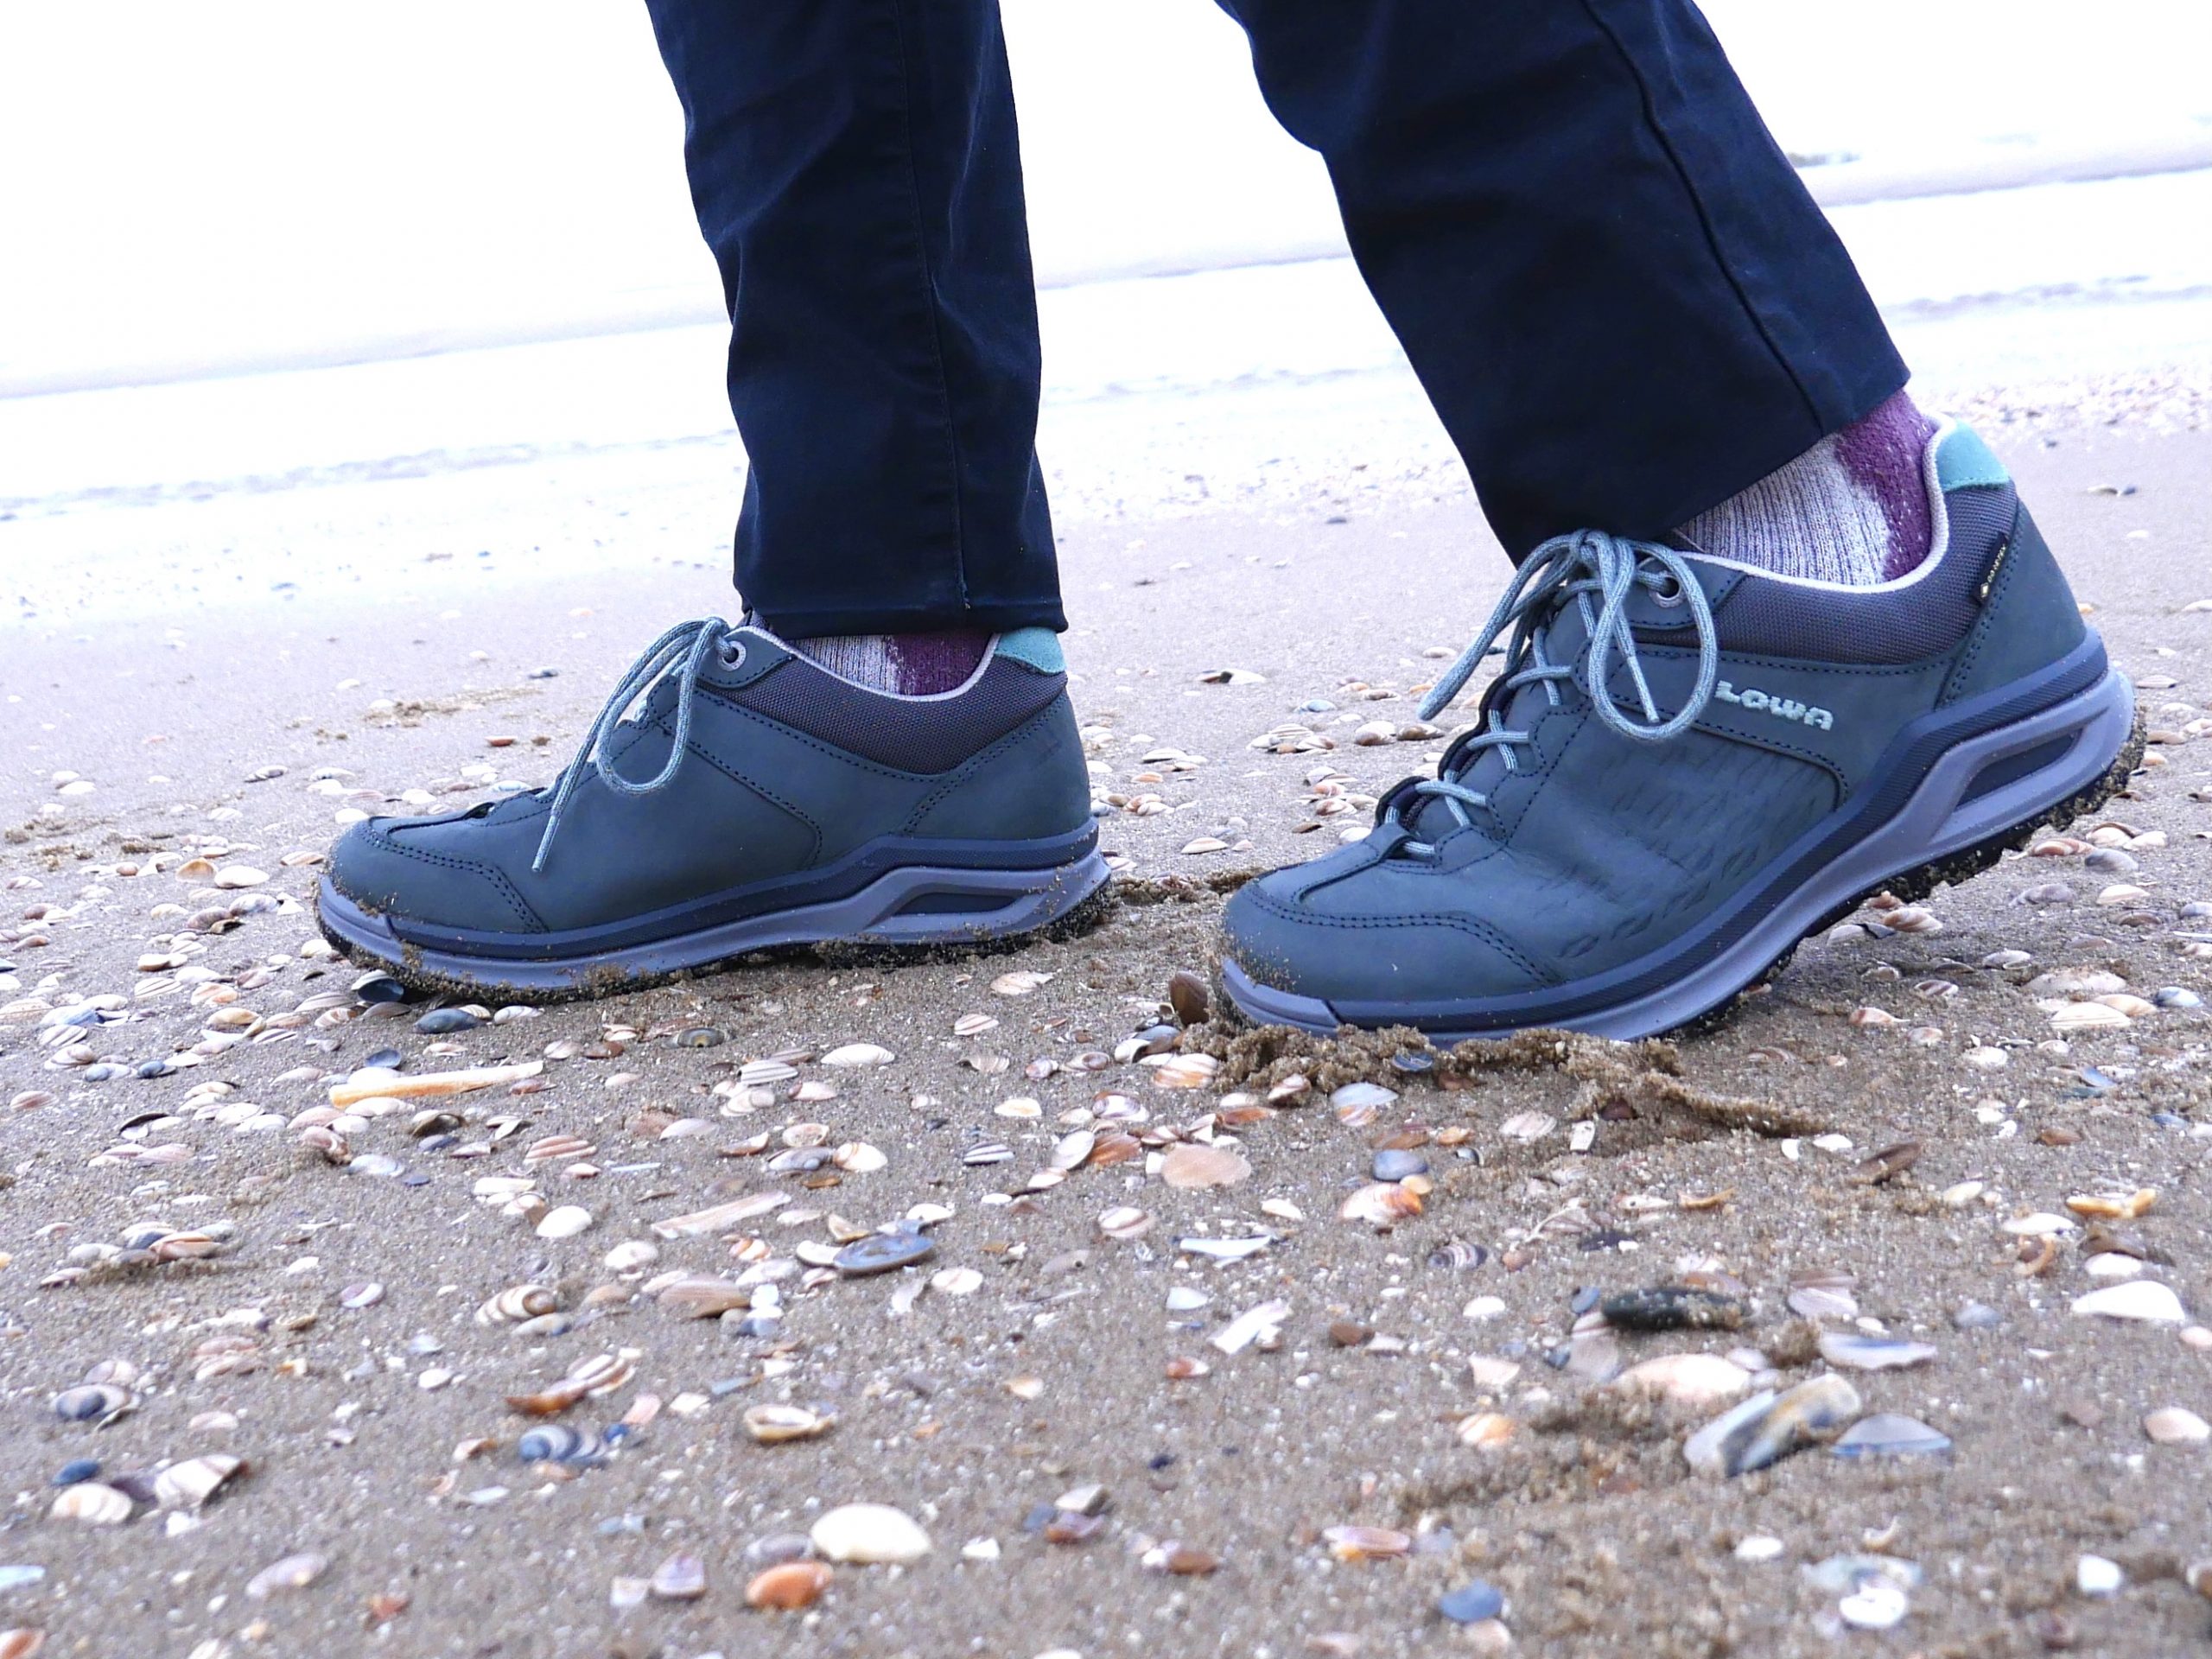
1574 568
687 648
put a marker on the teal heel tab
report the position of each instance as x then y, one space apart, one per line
1962 459
1039 647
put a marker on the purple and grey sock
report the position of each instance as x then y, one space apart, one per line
905 664
1852 509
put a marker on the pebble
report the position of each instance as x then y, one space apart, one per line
75 1470
1395 1164
869 1534
1759 1548
1886 1434
882 1253
1769 1427
1471 1603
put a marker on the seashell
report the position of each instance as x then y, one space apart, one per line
2123 893
722 1217
1124 1221
1198 1167
630 1253
564 1221
869 1534
602 1373
558 1443
1911 919
858 1158
1702 1381
699 1297
2176 1426
1860 1353
1224 1250
189 1485
23 1642
957 1282
2143 1300
1381 1205
858 1054
772 1425
883 1253
1185 1071
558 1146
376 1084
680 1578
2125 1207
1354 1095
1886 1434
1366 1543
1256 1323
516 1303
1022 981
120 1373
1873 1016
1526 1127
1823 1293
1672 1307
98 1403
788 1587
185 1247
1769 1427
1486 1430
91 1503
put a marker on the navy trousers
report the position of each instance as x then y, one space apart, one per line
1622 302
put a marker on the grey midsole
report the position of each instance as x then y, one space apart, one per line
1008 903
1935 821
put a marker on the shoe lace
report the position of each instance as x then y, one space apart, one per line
687 648
1598 572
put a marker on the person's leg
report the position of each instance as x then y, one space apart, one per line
884 752
856 170
1859 669
1624 304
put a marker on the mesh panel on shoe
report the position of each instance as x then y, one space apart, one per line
914 735
1779 618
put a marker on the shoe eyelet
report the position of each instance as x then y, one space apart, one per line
1670 596
732 653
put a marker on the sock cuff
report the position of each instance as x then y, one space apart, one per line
1039 647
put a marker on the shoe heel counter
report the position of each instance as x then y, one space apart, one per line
1030 785
2028 616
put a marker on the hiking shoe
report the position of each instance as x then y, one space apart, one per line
1687 766
733 796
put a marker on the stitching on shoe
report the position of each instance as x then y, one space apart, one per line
958 777
1471 925
498 877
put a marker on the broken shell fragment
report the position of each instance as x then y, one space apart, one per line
1768 1427
788 1587
189 1485
1366 1543
772 1425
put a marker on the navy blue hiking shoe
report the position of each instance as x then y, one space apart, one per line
731 797
1687 766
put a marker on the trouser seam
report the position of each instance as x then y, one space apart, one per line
1712 239
929 301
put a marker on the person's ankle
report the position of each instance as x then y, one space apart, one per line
1852 509
922 664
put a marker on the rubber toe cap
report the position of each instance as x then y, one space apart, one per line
394 867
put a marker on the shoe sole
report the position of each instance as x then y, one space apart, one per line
1956 823
918 907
